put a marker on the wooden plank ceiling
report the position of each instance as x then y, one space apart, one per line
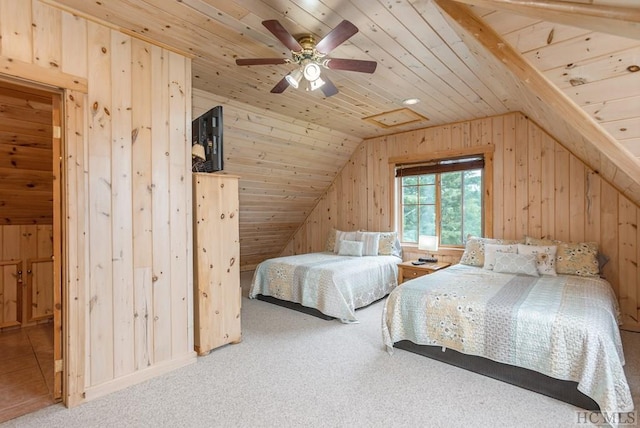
26 157
419 54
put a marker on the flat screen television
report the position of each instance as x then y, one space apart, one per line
207 139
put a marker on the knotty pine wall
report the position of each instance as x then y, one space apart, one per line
128 274
284 167
539 189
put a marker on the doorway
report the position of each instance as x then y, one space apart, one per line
30 248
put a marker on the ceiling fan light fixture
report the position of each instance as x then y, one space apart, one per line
311 71
294 78
310 56
315 84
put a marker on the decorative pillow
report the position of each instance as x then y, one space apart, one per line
490 251
386 244
331 240
524 264
602 261
545 257
397 248
350 248
370 242
474 249
579 258
342 235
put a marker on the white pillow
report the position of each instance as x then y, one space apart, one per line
350 248
545 257
370 242
474 249
342 235
490 251
516 263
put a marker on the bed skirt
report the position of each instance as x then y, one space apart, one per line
295 306
562 390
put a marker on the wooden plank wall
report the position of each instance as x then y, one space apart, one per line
128 189
284 166
540 189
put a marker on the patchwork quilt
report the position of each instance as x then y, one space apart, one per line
335 285
563 326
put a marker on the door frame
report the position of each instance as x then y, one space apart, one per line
59 204
58 232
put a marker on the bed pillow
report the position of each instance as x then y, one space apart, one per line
350 248
490 251
370 242
386 244
524 264
545 257
397 248
343 236
602 261
474 249
572 258
331 241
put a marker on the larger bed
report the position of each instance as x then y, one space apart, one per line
564 327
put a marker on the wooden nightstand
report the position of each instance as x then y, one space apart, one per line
407 271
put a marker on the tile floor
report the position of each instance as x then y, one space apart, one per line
26 370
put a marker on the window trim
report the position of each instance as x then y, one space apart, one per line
438 167
485 151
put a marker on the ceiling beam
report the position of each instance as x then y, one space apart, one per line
536 83
618 20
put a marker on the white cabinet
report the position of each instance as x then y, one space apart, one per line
217 299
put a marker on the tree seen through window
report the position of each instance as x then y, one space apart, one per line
458 195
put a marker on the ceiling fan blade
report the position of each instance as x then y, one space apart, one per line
282 34
280 86
261 61
351 65
328 89
335 37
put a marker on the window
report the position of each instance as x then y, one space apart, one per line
442 198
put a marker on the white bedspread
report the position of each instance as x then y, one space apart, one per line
565 327
335 285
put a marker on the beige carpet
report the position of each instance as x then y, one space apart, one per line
295 370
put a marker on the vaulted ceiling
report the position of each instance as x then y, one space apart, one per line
418 53
572 66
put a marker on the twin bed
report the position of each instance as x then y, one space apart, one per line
515 319
325 284
357 269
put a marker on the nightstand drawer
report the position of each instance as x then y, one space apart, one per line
408 273
407 270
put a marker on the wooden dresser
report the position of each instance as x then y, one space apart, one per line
216 242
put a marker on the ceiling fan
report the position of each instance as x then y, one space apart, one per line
310 56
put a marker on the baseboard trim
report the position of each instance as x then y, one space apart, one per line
138 377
